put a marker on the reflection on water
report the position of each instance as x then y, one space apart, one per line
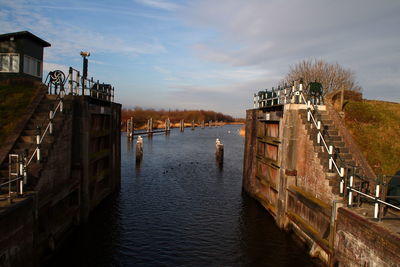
178 208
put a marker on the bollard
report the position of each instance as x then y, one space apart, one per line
219 152
192 125
139 149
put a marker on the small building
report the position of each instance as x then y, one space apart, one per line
21 55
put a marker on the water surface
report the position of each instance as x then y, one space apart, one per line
178 208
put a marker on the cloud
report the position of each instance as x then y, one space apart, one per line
271 35
160 4
67 38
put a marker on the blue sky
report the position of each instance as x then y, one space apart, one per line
213 54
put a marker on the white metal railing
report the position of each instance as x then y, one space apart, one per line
75 84
329 148
294 94
15 171
280 96
21 171
58 84
376 197
49 128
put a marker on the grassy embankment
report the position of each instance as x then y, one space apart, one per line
375 125
14 98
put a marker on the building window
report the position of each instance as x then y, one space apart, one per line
9 62
32 66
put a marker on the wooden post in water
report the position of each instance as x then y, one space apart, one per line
139 149
202 124
150 127
129 128
210 124
192 125
182 125
219 152
167 126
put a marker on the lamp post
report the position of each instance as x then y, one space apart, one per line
85 69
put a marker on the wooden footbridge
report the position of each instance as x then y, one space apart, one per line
149 130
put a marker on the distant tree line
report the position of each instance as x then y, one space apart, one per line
140 115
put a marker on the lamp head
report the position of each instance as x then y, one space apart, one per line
85 53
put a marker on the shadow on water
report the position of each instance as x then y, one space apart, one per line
179 208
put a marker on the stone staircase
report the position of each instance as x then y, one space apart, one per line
26 142
331 135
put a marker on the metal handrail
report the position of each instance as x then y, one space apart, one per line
75 84
373 198
320 137
45 132
35 151
263 99
10 181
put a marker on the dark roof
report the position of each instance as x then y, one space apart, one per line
25 34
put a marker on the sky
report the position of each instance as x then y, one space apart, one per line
212 55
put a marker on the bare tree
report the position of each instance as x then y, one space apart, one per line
332 76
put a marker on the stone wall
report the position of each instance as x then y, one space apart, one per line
361 242
283 172
81 169
17 238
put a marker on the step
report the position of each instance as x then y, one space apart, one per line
331 138
4 173
335 184
342 149
25 139
44 151
333 132
335 190
40 116
325 155
325 165
33 124
331 175
327 122
338 143
324 117
51 97
349 163
22 145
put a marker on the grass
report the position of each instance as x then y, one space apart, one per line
375 125
14 98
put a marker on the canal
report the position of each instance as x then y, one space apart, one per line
178 208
